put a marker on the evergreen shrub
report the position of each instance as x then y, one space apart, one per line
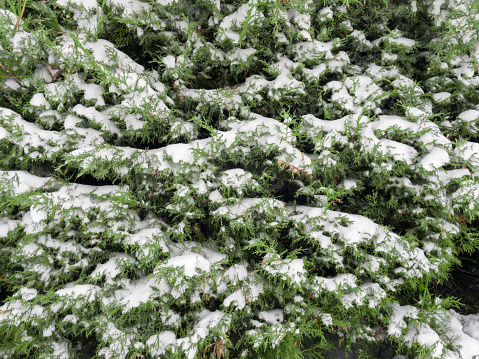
236 179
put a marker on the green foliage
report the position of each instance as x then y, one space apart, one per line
250 179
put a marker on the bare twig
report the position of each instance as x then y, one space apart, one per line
6 70
19 17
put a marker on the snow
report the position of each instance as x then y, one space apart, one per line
79 290
60 350
71 318
237 178
7 225
354 94
292 269
238 297
96 117
190 262
423 334
470 152
22 181
119 341
159 342
135 293
272 316
467 329
20 313
345 281
207 321
39 100
47 332
28 293
370 291
111 268
237 18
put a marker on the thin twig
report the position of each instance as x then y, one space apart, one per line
14 31
4 68
19 18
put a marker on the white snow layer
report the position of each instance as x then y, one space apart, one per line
356 93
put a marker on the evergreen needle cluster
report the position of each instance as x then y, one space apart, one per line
236 179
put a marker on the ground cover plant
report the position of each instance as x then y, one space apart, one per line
236 179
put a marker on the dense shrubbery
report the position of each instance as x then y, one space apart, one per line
240 179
